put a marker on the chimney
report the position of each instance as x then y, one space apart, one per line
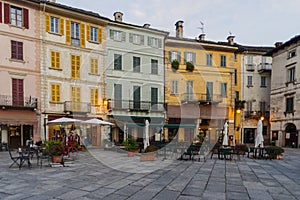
52 1
179 29
202 37
230 39
118 16
277 44
146 26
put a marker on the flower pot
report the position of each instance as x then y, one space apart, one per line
131 152
57 159
147 157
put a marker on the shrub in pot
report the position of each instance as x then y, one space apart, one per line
131 146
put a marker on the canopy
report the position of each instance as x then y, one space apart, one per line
97 122
63 120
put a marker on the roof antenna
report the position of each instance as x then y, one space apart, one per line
202 27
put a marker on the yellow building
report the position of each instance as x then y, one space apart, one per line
202 83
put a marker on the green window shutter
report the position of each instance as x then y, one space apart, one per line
123 36
111 34
131 37
149 41
142 40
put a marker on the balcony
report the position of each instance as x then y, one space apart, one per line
250 67
264 67
255 114
20 103
77 107
137 106
201 98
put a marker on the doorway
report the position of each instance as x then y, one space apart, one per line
291 136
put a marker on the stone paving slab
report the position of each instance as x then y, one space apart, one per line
99 174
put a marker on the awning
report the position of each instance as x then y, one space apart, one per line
179 125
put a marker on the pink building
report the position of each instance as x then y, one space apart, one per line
19 72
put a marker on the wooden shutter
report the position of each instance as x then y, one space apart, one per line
111 34
130 37
142 40
100 35
62 26
82 35
0 12
6 13
194 58
159 43
68 31
88 32
123 36
25 18
18 92
47 23
52 59
184 59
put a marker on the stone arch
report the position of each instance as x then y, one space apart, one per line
291 135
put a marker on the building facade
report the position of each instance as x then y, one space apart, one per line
134 79
256 87
285 92
19 72
72 62
201 84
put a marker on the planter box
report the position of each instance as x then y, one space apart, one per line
132 152
147 157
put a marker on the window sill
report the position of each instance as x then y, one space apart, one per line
263 86
15 26
57 69
92 74
56 102
15 60
249 86
53 33
94 42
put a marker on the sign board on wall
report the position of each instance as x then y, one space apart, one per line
287 136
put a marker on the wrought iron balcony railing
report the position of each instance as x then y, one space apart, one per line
262 67
200 98
18 102
250 67
77 107
142 106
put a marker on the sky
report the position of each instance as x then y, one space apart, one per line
252 22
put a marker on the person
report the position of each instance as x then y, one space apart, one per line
141 146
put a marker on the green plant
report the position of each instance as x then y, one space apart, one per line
150 148
280 150
175 65
130 144
190 66
54 148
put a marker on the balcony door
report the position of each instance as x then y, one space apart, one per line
136 97
209 91
17 92
189 91
117 96
154 98
76 99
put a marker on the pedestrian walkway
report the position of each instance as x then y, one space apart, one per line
99 174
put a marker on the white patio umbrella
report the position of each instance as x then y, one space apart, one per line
146 136
97 122
225 138
259 140
63 120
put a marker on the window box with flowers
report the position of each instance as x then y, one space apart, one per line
175 65
190 66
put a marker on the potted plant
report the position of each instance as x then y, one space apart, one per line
55 149
175 65
149 153
190 66
131 146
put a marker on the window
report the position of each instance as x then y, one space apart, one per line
136 64
250 60
75 67
223 61
291 74
18 92
94 66
291 53
16 16
55 92
94 34
94 96
136 39
154 66
249 81
174 89
209 59
223 89
75 98
54 24
263 81
249 106
75 33
16 50
289 105
237 95
189 91
117 62
235 57
55 60
154 98
174 55
154 42
235 77
117 35
209 91
136 97
262 106
117 95
189 57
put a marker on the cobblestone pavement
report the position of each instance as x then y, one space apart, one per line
99 174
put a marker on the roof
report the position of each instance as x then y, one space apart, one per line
286 44
262 49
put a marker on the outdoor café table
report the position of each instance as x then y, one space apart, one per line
257 152
224 152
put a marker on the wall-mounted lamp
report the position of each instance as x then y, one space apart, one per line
262 118
238 111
